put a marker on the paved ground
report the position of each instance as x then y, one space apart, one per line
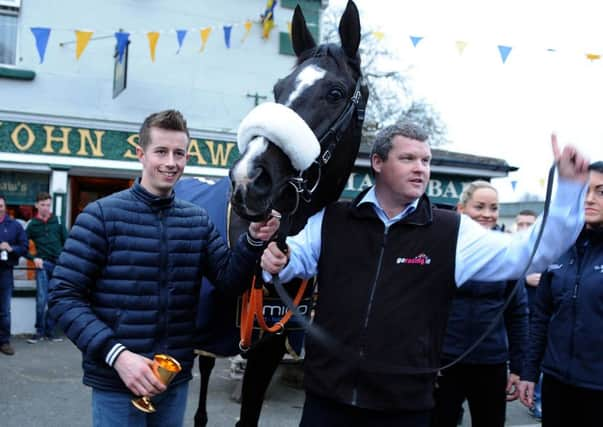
41 386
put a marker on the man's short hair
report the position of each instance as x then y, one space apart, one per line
2 197
382 144
43 195
528 212
168 119
596 166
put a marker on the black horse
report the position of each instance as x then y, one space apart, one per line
296 156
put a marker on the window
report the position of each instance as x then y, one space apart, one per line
311 9
9 10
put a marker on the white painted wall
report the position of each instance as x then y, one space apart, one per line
209 88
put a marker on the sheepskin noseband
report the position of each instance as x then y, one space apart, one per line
283 127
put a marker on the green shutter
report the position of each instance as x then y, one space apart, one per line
311 11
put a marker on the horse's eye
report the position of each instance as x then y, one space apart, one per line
335 94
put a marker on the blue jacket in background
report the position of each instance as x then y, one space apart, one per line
566 331
130 273
473 308
12 232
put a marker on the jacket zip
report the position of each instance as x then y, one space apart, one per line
163 285
370 306
579 262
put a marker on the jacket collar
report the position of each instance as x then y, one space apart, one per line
594 235
155 202
422 215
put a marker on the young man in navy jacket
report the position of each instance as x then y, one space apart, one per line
126 285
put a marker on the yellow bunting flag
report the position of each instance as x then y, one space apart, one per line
289 27
460 46
81 41
248 24
541 182
267 27
153 36
205 32
378 35
593 56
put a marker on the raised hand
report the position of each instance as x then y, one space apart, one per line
571 164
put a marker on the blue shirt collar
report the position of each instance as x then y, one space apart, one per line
371 197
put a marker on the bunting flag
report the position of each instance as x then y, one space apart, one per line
289 26
379 35
41 34
122 41
541 182
205 32
460 46
267 18
248 24
227 31
180 34
153 37
415 40
504 52
83 38
81 41
513 185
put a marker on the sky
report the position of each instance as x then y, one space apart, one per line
501 110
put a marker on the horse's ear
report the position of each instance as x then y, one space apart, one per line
301 38
349 29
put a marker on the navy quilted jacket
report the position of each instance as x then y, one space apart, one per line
566 330
130 272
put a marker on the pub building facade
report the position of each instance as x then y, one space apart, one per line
79 161
69 125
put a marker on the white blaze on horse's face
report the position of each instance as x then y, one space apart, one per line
243 170
305 79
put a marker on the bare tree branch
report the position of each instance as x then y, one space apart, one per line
391 96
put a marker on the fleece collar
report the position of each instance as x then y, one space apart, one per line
283 127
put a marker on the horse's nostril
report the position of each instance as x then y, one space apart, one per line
261 181
237 196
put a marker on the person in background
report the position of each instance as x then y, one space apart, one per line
49 236
566 329
388 265
524 220
13 244
126 285
481 377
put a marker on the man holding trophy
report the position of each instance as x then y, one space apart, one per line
126 286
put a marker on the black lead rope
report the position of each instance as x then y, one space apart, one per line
344 352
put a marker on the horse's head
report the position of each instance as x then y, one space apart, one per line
305 144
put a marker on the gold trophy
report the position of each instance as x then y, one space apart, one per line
165 369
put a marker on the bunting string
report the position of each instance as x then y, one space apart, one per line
83 39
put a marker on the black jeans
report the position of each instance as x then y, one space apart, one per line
566 405
484 388
322 412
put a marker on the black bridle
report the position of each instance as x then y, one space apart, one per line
328 143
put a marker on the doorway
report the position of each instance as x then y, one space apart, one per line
85 190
